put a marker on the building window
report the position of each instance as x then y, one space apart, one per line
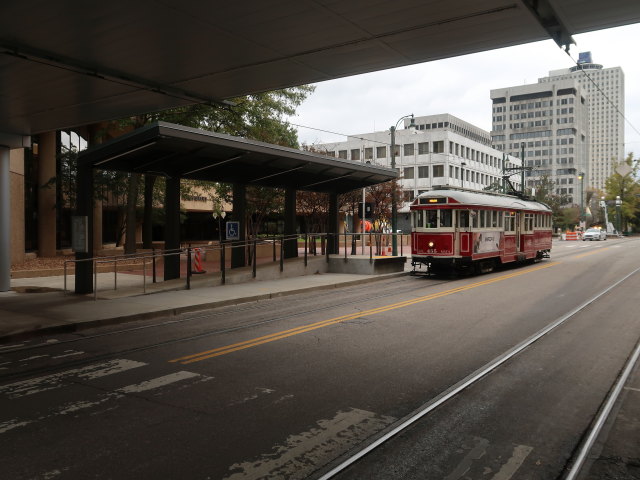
438 171
381 152
355 154
342 154
368 153
408 173
438 147
408 149
423 148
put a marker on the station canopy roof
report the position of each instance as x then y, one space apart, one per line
68 64
176 151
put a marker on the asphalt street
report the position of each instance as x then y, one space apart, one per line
289 387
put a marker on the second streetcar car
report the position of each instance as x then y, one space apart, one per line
475 231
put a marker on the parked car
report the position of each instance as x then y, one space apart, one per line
594 234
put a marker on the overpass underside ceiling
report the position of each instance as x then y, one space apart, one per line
65 66
176 151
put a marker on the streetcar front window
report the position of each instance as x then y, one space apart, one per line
431 220
418 219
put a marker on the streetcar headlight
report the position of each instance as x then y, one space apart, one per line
430 244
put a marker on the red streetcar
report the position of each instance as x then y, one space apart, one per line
465 230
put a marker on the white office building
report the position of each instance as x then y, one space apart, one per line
604 90
442 150
545 124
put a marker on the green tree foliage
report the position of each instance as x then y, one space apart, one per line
563 216
624 183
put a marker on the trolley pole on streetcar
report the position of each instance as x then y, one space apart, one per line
394 206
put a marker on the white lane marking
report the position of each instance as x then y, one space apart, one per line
11 347
478 451
158 382
299 454
13 423
33 358
631 388
73 407
56 380
520 452
261 391
71 353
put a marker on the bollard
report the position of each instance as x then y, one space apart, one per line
198 261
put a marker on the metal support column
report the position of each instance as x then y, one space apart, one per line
238 255
84 208
332 224
5 221
172 228
291 245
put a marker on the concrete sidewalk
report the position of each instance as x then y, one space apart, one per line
38 305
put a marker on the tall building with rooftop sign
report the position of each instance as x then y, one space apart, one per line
604 89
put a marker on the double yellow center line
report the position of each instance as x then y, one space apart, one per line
216 352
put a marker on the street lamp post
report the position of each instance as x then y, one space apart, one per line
219 217
618 219
581 178
394 206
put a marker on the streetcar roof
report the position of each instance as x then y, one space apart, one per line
470 198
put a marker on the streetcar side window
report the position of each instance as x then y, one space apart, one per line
463 218
509 222
483 218
445 218
418 219
432 219
494 219
474 218
500 219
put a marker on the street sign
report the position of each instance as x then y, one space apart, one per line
233 231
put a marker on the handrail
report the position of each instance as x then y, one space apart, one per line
345 240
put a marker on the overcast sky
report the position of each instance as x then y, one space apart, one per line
460 86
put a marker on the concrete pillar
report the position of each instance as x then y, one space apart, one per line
172 227
290 246
332 224
238 256
5 221
47 196
85 208
16 180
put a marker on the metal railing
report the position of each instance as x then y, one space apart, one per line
309 244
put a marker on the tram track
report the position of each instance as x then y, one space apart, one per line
338 467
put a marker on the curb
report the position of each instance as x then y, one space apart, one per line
173 312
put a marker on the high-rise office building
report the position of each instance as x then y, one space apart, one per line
545 124
604 89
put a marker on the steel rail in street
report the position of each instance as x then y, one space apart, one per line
468 381
602 418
